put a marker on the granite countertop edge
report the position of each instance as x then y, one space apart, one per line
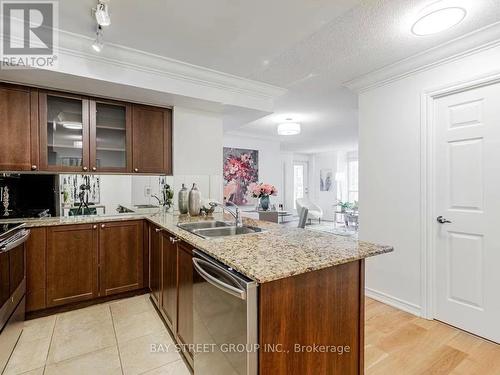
274 254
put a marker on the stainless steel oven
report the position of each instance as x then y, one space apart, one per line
225 319
12 287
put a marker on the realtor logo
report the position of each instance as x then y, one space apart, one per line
29 34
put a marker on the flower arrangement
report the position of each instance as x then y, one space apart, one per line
263 190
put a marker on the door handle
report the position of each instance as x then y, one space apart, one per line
442 220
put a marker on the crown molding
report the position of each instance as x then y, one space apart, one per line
79 46
466 45
119 64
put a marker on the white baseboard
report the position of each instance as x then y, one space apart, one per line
394 302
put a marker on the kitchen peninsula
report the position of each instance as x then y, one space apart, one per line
303 276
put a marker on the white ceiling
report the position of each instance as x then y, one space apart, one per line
307 46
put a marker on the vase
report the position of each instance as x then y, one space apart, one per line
194 201
264 202
183 200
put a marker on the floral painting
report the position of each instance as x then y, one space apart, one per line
241 171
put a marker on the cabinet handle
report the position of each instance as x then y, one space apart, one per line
173 240
136 170
34 167
94 226
94 169
157 230
85 169
103 226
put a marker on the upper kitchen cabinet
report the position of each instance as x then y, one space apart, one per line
42 130
152 140
64 132
110 136
18 128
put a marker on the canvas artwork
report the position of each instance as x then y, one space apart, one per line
241 172
325 180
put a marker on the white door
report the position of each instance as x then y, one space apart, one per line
467 175
300 181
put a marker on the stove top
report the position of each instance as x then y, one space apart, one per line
27 213
9 228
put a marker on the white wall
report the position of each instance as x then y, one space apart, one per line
198 143
389 154
270 170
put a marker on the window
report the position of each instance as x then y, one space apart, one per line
352 180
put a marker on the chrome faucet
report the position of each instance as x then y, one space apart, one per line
158 199
236 213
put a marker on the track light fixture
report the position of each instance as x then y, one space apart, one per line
102 13
98 45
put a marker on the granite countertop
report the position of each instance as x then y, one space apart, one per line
276 253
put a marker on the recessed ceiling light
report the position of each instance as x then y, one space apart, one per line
438 20
289 128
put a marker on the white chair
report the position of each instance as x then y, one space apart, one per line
315 211
303 217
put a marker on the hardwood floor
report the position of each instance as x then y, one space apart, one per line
400 343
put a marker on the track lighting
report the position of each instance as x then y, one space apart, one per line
98 45
102 14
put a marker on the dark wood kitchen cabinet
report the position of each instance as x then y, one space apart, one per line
168 300
71 263
155 263
64 132
87 261
152 140
121 257
50 131
18 128
185 294
36 269
110 136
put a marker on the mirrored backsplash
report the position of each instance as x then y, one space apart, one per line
28 195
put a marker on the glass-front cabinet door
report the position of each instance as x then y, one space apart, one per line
64 132
110 136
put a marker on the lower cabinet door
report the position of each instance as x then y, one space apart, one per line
71 264
169 279
121 257
36 269
155 263
185 294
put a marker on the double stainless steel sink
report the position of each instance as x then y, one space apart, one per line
214 229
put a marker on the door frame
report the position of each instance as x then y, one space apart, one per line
428 184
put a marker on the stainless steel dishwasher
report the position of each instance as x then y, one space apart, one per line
225 319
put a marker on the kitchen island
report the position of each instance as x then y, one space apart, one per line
310 287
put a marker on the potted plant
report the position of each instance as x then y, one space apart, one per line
344 206
263 192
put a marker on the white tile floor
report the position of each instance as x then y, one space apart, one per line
111 338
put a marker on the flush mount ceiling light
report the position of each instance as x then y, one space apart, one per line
98 45
438 21
102 14
289 128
